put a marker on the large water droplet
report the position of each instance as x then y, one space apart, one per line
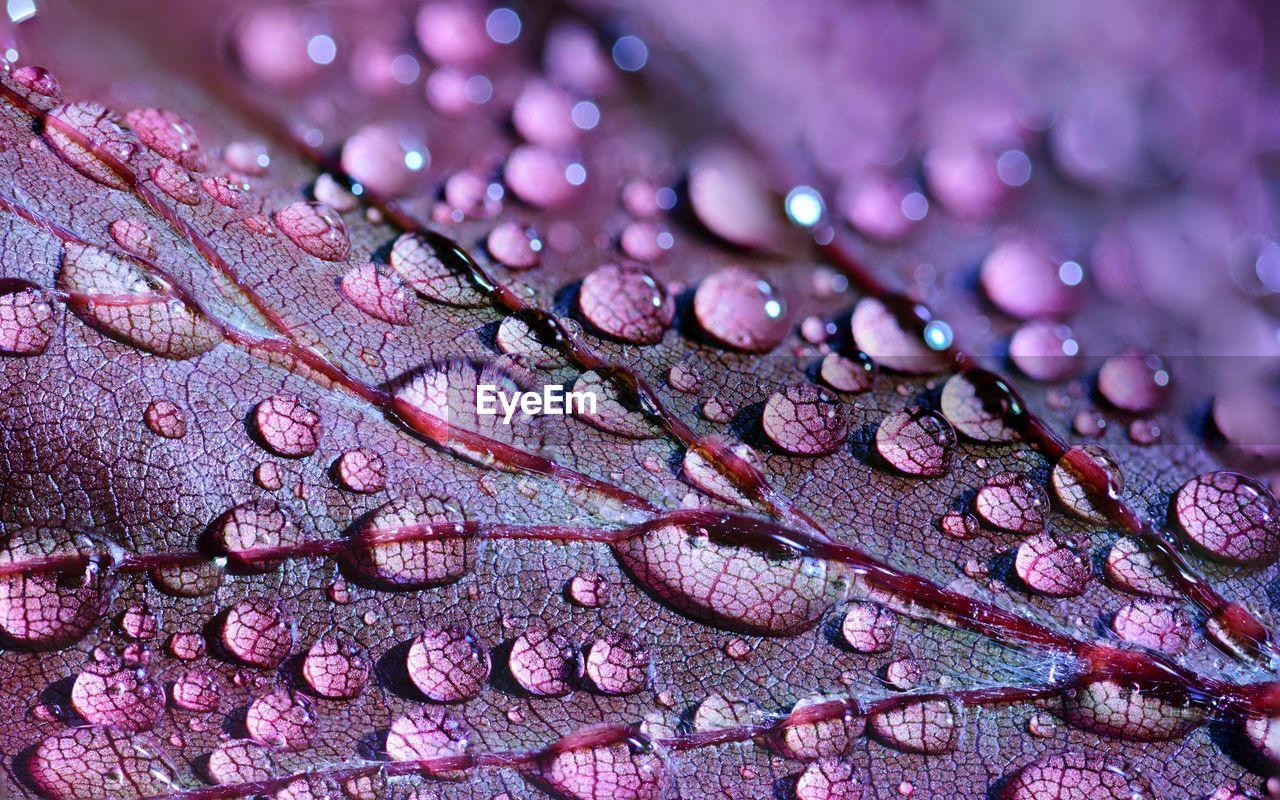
1012 502
737 588
733 199
1050 568
625 302
252 526
611 412
169 135
916 441
1134 382
257 631
390 555
121 297
965 407
1108 708
448 664
617 664
101 764
42 610
418 263
387 158
877 331
1045 351
134 235
26 318
379 294
1154 624
188 580
543 662
515 245
1024 282
240 761
93 141
336 667
426 733
1074 490
1229 516
818 727
596 766
361 471
848 374
39 83
538 176
281 718
931 726
1132 567
1073 776
108 692
286 426
741 310
316 228
805 420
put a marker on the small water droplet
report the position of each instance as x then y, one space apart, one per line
26 318
803 419
257 632
540 176
1133 382
869 628
1229 516
93 141
1012 502
111 693
286 426
1021 278
878 331
741 310
164 418
916 441
316 228
543 662
387 158
416 261
1050 568
448 664
1045 351
1076 492
169 135
589 590
626 302
853 374
176 182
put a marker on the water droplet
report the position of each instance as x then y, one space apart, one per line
1073 776
611 413
1248 418
453 33
515 245
390 556
543 114
379 294
736 588
731 196
869 628
197 690
684 377
830 779
804 420
737 649
1106 707
134 235
1133 382
101 764
959 525
1154 624
139 622
26 318
717 712
224 191
741 310
903 674
1012 502
336 667
108 692
516 338
1131 566
1021 278
876 204
1229 516
589 590
39 81
93 141
176 182
848 374
426 733
930 727
596 766
1144 432
255 526
188 580
1073 488
700 472
717 410
312 787
186 645
121 297
617 664
416 261
448 664
316 228
1043 725
43 610
539 176
257 632
248 158
1050 568
817 727
286 426
281 718
1088 423
361 471
543 662
1045 351
625 302
387 158
878 332
240 761
646 241
164 418
168 135
916 441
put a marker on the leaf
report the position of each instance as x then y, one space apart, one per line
250 464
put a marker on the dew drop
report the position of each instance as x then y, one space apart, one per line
1263 734
1012 502
741 310
176 182
257 632
1132 567
930 727
1073 776
286 426
1073 488
684 377
877 331
453 32
467 192
134 236
1050 568
312 787
448 664
617 664
248 158
110 693
98 763
361 471
26 318
965 407
625 302
387 158
255 526
169 135
1042 725
316 228
543 114
38 80
240 761
737 649
1045 351
427 733
818 728
1108 708
597 766
830 779
283 719
390 555
1133 382
646 241
853 374
903 674
336 667
196 690
543 662
186 645
538 176
379 294
188 580
611 413
139 622
704 475
869 628
515 245
164 418
1230 517
1144 432
736 588
418 264
121 297
1154 624
1023 281
43 610
717 712
731 197
224 191
93 141
959 525
916 441
516 338
589 590
804 420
